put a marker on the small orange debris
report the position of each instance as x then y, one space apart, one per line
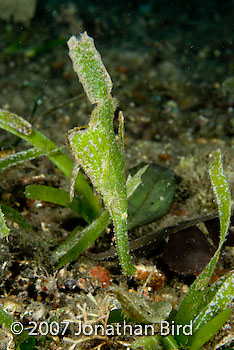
164 156
154 278
177 209
58 64
122 70
102 274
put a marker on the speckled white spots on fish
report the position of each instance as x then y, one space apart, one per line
92 143
101 160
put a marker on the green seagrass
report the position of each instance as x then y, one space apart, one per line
4 230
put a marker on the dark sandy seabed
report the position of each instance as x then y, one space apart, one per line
171 64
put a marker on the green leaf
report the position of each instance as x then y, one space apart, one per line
148 343
153 197
195 300
208 330
15 216
116 316
217 298
138 309
95 148
23 129
24 340
28 344
222 194
5 318
87 236
57 196
44 48
69 242
169 343
4 230
21 157
13 123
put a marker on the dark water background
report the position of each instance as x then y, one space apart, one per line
156 51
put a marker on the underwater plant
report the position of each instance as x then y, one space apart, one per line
206 306
4 230
95 150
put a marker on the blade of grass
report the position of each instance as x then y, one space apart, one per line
60 197
73 237
169 343
21 157
148 343
4 230
88 236
21 339
5 318
208 330
15 216
23 129
69 242
194 301
218 297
